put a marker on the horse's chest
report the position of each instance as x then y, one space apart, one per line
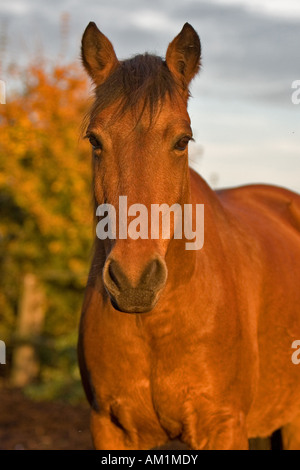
169 395
157 407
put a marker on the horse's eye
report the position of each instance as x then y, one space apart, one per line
182 143
96 144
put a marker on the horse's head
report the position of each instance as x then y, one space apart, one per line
139 130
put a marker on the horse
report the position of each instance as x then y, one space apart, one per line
176 343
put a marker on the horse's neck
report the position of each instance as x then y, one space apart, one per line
183 263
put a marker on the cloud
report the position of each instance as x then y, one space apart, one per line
280 8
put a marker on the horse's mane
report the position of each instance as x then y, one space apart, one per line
139 83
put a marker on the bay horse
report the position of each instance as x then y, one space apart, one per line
183 344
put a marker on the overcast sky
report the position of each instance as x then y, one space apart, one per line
242 114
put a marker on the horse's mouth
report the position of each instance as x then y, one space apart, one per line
135 301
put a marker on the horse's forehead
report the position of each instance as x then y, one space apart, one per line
139 121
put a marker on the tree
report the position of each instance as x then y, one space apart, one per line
45 203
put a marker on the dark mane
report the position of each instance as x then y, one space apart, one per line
142 82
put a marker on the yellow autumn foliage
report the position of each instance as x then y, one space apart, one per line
45 193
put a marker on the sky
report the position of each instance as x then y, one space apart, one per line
246 127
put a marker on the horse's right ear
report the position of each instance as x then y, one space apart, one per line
97 53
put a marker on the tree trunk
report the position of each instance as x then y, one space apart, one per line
25 363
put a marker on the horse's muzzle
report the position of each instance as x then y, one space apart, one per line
140 297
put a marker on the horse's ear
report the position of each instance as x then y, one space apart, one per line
97 53
183 54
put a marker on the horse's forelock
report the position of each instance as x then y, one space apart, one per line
138 84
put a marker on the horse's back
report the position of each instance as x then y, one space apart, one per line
263 202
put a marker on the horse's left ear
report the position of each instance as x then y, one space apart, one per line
97 53
183 54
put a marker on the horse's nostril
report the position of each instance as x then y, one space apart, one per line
124 289
112 277
149 272
154 275
113 273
